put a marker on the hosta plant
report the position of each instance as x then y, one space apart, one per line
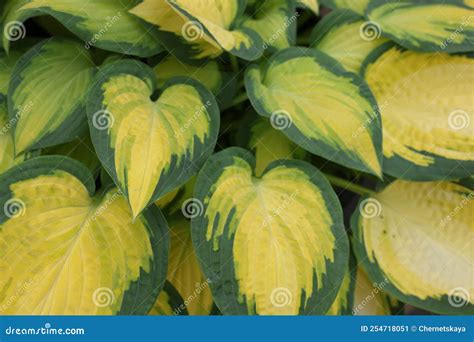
232 157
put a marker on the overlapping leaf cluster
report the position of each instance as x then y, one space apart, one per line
191 156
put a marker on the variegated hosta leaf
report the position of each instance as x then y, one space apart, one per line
268 144
169 302
369 298
313 5
344 301
346 37
430 25
184 271
102 23
320 106
275 22
423 252
427 109
358 6
269 245
47 93
64 250
195 29
222 84
150 147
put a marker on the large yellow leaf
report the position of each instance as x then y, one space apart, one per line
416 238
64 250
427 110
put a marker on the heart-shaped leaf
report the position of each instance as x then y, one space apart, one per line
424 139
429 25
269 245
150 147
47 94
320 106
64 250
423 252
169 302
